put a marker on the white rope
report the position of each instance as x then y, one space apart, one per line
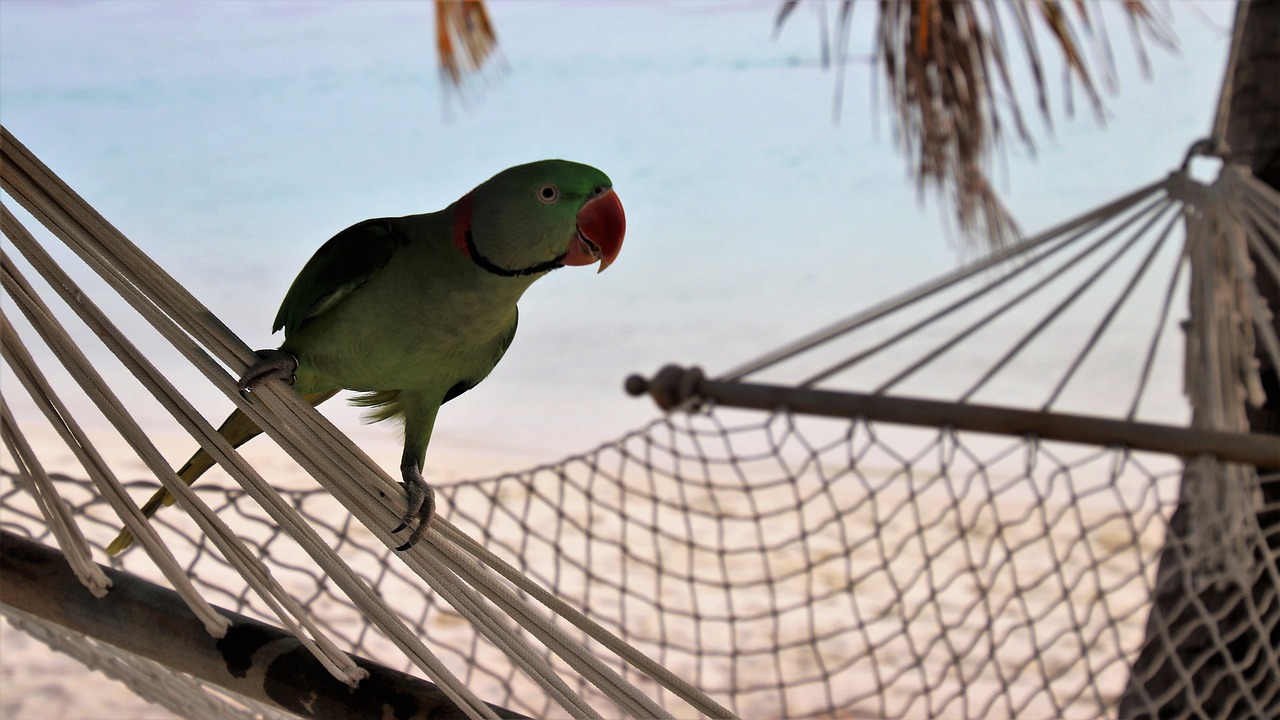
1095 219
1073 227
1243 198
471 606
379 509
1154 206
29 376
249 566
97 250
57 515
1166 307
1153 216
1255 319
677 685
627 696
1114 310
1222 375
1250 200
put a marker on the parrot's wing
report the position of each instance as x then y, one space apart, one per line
341 265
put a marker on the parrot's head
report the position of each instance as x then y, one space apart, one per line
542 215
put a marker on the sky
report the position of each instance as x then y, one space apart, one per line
230 139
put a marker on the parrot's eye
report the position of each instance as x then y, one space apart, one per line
548 193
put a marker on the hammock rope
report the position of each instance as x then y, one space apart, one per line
310 439
1224 221
1026 250
52 508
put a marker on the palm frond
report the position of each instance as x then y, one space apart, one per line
464 38
951 84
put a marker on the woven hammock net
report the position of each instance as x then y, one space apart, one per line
799 566
855 576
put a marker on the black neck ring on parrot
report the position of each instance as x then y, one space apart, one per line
493 268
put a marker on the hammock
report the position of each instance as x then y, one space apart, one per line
912 525
456 569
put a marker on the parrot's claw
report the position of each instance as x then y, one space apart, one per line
276 364
422 505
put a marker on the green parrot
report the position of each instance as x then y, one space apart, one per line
414 311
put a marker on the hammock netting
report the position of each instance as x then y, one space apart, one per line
795 567
790 565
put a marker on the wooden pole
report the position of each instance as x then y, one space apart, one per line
255 660
673 386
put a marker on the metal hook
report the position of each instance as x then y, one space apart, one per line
1206 147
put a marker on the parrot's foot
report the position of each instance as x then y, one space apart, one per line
271 364
422 504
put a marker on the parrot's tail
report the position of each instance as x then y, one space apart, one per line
238 429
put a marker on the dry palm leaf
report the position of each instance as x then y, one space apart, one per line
464 38
952 89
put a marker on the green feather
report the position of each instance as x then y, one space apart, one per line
338 267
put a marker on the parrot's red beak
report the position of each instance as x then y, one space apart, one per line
601 225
